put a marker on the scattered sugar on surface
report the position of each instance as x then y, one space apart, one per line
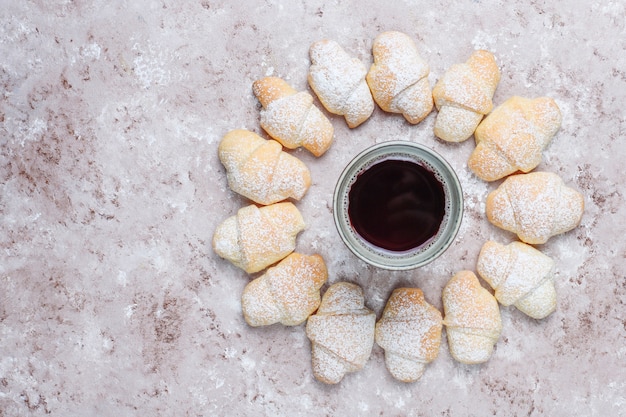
483 40
476 202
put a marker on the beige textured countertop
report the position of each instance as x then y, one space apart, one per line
112 302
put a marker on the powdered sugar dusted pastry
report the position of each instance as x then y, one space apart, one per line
287 293
259 169
258 237
341 333
398 78
520 275
513 136
339 82
472 319
463 96
410 333
291 117
535 206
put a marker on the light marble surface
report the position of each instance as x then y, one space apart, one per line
112 302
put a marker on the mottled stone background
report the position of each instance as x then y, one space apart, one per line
112 302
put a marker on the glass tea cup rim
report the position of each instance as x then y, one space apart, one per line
415 258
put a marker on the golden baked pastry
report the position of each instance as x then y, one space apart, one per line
341 333
535 206
463 96
410 333
287 293
259 169
258 237
472 319
520 275
291 117
339 82
513 136
398 78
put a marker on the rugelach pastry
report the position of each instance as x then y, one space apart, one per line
520 275
535 206
410 333
463 96
513 136
260 170
398 78
339 82
256 238
291 117
341 333
472 319
287 293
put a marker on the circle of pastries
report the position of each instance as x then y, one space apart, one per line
509 139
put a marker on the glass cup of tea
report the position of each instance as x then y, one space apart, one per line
398 205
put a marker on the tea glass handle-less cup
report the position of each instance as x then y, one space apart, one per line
432 218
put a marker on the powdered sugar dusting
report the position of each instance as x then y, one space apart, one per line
259 170
463 96
258 304
456 124
341 332
258 237
469 85
520 275
101 174
472 318
287 293
398 78
513 136
339 82
410 333
535 206
292 118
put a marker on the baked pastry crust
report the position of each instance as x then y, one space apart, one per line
287 293
339 82
341 333
256 238
410 333
398 78
513 136
472 319
260 170
535 206
464 95
520 275
291 117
